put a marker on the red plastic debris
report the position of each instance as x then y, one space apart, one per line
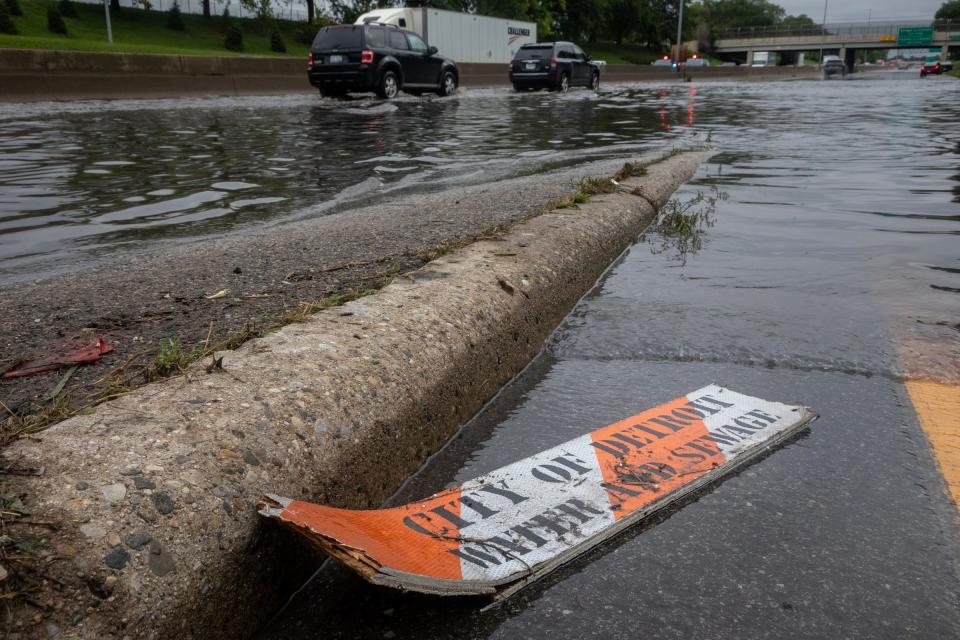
68 354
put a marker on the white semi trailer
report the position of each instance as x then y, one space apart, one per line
461 36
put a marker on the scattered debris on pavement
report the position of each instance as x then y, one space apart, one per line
68 354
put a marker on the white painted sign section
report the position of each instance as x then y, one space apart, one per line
499 531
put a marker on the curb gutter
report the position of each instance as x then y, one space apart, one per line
152 499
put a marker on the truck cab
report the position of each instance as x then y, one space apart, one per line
403 18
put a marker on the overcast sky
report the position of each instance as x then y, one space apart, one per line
854 10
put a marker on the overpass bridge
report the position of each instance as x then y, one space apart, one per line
842 39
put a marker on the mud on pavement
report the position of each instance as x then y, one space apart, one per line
164 309
141 514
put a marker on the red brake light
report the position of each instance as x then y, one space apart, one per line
694 56
553 62
666 58
366 57
310 60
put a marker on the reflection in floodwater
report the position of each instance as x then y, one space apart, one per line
813 258
853 211
72 173
663 94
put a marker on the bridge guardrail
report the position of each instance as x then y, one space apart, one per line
839 29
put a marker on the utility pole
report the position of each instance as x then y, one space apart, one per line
676 58
823 27
106 10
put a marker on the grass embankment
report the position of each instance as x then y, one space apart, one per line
139 31
955 72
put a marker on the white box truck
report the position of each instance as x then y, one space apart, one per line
461 36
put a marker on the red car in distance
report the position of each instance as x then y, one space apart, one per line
931 66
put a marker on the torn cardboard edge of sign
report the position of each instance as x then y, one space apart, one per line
497 533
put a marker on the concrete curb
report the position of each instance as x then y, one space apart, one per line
153 496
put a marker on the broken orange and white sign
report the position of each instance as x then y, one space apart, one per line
498 532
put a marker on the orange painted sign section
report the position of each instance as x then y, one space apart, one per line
498 532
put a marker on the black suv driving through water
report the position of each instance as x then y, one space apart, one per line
381 58
553 65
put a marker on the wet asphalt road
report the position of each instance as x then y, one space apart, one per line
829 276
843 533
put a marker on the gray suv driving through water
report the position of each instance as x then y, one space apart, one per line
553 65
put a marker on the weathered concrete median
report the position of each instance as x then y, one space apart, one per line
29 74
149 503
33 74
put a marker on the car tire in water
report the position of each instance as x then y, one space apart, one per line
518 87
389 85
595 81
448 84
563 85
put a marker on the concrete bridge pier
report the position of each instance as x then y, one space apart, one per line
749 57
788 58
849 57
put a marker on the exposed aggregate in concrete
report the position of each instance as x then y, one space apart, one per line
164 541
139 299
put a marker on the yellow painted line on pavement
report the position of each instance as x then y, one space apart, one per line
938 407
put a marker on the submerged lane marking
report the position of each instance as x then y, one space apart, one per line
938 409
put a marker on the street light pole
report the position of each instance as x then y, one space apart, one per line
676 58
823 27
106 10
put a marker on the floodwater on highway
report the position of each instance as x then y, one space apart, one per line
81 181
863 175
831 272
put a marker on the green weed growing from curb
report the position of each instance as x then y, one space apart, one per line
171 358
681 225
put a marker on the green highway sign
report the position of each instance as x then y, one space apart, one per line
914 36
955 38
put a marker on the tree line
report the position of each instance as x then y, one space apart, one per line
648 23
